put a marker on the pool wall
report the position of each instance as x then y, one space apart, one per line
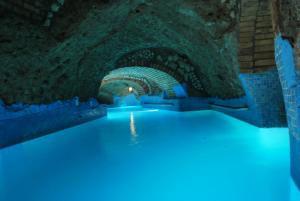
265 100
20 122
263 104
289 77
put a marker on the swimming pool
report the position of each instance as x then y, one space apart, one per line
151 155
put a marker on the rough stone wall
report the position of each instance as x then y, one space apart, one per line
76 64
256 37
289 17
286 21
291 90
265 98
34 10
174 64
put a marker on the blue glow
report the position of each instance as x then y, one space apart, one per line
149 156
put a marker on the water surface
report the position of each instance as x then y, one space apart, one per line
151 155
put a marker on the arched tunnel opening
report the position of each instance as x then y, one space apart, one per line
126 86
217 89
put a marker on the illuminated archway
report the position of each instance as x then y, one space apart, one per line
138 81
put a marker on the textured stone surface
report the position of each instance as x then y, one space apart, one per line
34 10
194 35
256 52
142 80
289 17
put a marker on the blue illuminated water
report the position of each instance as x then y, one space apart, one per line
151 156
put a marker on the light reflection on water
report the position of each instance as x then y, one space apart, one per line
188 156
134 135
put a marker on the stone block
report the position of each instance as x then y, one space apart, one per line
265 23
246 58
264 36
246 45
247 18
249 12
246 64
264 55
265 48
263 18
247 24
264 30
246 51
246 39
246 34
264 42
265 62
264 13
247 29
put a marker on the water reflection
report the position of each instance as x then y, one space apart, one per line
133 132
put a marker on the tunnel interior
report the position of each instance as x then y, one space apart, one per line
139 81
64 63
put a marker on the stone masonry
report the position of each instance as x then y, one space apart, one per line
256 37
34 10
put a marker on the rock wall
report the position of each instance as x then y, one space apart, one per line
72 60
34 10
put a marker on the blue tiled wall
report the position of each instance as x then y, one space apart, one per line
265 99
262 106
291 90
20 122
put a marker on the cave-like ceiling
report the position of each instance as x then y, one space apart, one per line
193 41
143 81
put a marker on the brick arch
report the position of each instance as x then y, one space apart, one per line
169 61
256 37
152 80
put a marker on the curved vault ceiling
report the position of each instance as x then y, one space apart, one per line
191 40
143 80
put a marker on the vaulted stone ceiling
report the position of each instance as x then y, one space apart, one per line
193 41
142 80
